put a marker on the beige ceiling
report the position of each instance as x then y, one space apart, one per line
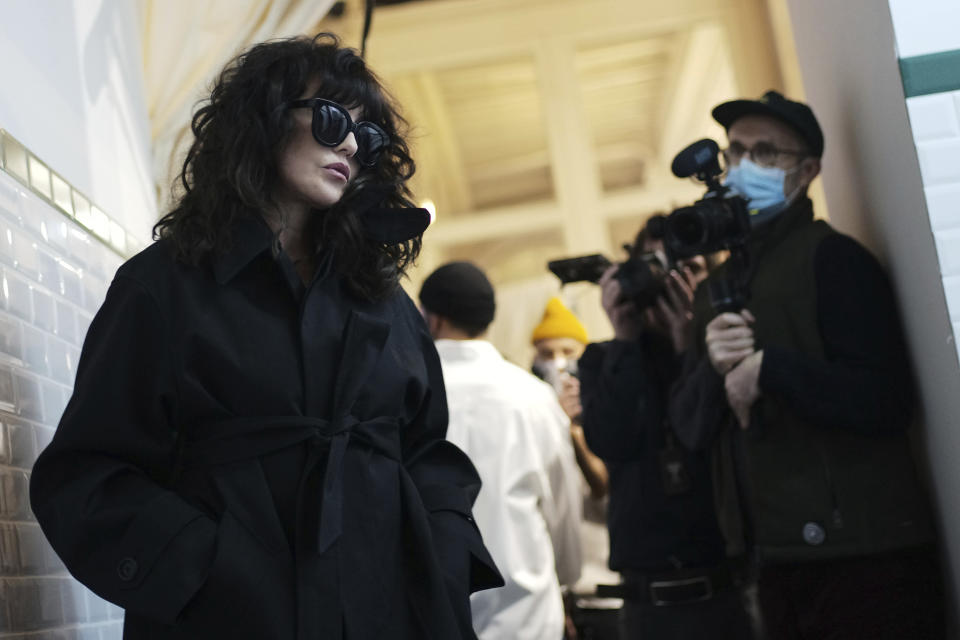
545 128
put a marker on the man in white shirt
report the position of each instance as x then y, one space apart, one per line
512 427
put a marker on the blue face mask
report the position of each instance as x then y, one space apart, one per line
762 187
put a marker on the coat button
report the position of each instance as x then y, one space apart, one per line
127 569
814 534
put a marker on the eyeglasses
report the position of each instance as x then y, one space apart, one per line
763 153
332 123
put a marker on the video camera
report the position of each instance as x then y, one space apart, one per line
719 221
642 277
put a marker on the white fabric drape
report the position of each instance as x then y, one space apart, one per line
185 45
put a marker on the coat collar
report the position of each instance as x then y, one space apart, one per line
251 236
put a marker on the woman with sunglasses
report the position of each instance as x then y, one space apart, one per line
254 447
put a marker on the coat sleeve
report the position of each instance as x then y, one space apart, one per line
697 406
448 484
98 489
618 404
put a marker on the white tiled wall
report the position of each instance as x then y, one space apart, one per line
925 26
53 278
935 120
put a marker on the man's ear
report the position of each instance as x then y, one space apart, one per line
434 323
809 169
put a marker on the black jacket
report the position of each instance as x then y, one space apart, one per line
246 457
824 470
652 530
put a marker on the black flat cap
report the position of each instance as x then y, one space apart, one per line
796 115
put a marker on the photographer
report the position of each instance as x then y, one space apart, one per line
804 397
664 538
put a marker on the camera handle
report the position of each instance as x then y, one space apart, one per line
730 293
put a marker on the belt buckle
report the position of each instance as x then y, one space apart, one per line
685 582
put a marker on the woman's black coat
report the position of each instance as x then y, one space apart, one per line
246 457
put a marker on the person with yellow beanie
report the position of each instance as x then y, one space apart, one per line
560 339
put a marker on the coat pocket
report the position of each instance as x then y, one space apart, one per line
249 591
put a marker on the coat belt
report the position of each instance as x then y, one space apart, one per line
234 440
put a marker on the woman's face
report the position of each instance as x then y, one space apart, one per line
311 175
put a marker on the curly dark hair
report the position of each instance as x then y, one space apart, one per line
231 168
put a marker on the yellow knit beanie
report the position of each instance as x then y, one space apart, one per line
559 322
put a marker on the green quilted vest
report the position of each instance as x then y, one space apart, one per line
798 491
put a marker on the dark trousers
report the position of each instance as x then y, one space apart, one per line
892 596
722 617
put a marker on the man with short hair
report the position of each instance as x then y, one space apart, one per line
805 397
512 427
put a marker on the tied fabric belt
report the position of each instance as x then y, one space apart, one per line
330 442
234 440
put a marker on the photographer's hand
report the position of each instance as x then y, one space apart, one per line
569 397
729 340
623 314
675 308
742 386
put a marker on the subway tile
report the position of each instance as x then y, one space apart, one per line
8 394
53 404
43 310
29 397
25 254
58 234
11 340
83 325
14 495
9 550
6 448
66 393
939 161
80 246
112 631
933 117
44 436
70 285
98 609
17 295
49 272
73 599
74 359
927 26
7 239
51 603
23 446
58 360
951 289
66 322
52 561
10 195
948 251
88 633
116 613
30 547
94 292
35 350
5 622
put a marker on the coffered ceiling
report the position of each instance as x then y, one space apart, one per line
545 128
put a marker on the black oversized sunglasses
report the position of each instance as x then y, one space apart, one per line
332 122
